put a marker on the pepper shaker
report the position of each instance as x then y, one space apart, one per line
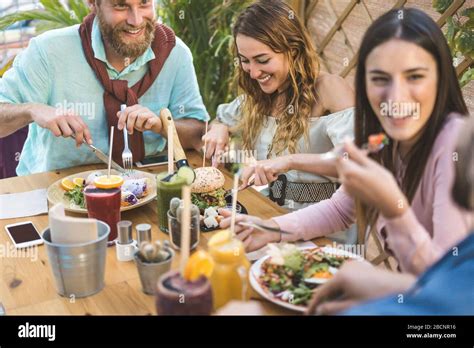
125 246
143 233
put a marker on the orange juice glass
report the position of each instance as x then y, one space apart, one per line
229 280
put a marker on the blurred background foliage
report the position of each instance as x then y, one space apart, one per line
206 27
49 14
460 35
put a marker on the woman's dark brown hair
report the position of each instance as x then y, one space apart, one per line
463 188
414 26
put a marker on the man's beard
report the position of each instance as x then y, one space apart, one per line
132 49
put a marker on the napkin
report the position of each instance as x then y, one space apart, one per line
70 230
30 203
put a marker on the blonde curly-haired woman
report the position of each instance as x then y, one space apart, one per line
288 111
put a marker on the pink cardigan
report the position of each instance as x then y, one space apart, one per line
432 225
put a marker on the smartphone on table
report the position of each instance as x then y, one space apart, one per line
23 234
151 161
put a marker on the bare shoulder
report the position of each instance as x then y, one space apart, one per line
335 92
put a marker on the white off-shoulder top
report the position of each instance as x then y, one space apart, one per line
324 133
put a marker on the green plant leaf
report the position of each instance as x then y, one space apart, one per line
465 42
441 5
468 12
467 77
53 15
13 18
469 24
225 40
450 32
61 13
459 34
79 8
205 27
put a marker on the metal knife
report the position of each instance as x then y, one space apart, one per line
102 156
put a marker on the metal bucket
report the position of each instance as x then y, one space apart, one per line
78 269
150 272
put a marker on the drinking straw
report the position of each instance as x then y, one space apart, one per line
205 145
234 202
185 227
170 149
231 152
110 150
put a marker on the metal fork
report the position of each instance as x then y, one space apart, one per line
250 183
127 157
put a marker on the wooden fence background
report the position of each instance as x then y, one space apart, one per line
337 27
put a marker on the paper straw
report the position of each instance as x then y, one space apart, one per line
170 149
234 203
205 146
185 227
110 150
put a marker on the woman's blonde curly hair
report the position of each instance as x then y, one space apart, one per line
275 24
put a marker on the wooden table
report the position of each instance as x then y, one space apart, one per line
27 286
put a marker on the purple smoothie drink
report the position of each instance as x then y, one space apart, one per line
177 296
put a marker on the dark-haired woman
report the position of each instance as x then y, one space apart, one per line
406 86
444 289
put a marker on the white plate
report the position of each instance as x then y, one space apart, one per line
256 271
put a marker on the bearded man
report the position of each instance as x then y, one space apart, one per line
72 81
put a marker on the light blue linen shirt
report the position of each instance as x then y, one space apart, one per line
53 70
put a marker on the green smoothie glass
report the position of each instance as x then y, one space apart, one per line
165 191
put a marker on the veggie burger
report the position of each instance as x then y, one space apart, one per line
207 190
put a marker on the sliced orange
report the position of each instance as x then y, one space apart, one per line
78 181
220 237
105 182
200 263
67 184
